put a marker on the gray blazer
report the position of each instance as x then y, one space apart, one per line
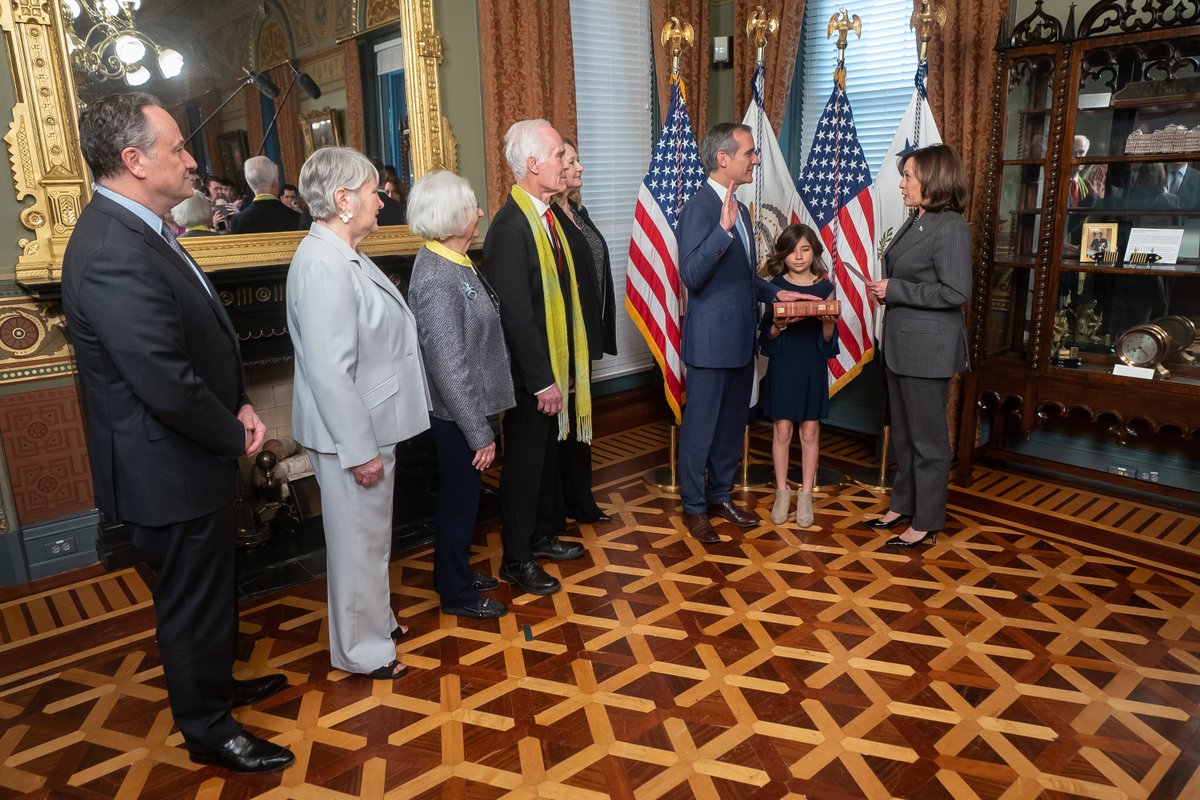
465 355
359 383
928 267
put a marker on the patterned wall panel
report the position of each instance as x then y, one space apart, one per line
47 457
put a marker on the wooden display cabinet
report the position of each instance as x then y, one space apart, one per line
1091 122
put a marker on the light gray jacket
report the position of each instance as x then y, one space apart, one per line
359 382
463 343
928 267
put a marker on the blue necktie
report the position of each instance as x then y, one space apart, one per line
178 248
742 232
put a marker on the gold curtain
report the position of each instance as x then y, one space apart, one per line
962 67
287 124
693 62
355 134
780 56
528 67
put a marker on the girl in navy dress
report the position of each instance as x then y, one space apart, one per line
796 386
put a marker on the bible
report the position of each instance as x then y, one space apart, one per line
807 308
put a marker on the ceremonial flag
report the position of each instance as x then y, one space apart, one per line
652 285
771 198
836 189
917 129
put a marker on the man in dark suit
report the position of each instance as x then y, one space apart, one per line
166 415
266 212
1184 183
393 211
529 484
719 268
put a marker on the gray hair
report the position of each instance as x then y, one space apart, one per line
111 124
330 169
523 141
262 175
440 205
196 210
719 139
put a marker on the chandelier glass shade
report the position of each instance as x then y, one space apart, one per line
112 47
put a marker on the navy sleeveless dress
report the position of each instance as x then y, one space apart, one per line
796 385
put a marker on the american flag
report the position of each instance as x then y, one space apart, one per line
835 185
652 286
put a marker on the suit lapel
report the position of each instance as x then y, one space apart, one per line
912 234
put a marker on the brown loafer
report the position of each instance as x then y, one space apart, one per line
700 528
728 511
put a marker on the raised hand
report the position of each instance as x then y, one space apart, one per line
729 210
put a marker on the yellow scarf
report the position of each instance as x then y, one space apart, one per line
556 323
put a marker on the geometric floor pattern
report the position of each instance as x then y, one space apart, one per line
1007 661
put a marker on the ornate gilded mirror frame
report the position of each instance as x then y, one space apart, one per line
49 171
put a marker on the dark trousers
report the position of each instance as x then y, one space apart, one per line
710 439
574 496
530 478
921 440
195 602
454 520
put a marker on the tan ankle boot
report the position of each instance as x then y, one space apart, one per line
783 501
804 514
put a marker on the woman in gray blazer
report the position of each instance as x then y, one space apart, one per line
359 389
926 283
458 320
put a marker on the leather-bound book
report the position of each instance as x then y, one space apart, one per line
807 308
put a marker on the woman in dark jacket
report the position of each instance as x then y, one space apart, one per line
466 361
593 271
926 283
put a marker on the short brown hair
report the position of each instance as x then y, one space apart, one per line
111 124
942 176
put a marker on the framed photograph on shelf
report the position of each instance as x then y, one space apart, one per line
319 129
1099 242
233 147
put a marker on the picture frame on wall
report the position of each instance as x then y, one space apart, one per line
319 129
233 146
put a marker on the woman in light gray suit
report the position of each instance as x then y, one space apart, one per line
927 280
359 390
458 319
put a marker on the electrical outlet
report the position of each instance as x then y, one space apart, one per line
1143 475
61 547
1152 476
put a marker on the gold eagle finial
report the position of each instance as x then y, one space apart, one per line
923 21
675 35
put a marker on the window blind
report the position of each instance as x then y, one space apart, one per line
613 79
879 71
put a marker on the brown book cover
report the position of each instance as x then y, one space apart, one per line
807 308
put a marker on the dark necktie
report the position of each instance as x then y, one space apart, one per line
178 248
1176 179
559 260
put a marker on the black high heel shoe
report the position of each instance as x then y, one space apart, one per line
928 538
879 524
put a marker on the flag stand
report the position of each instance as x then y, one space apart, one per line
881 478
756 475
665 478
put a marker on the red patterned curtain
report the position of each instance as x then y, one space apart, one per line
529 72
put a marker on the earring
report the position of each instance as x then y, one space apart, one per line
346 215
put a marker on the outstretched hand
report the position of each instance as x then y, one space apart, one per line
729 210
788 296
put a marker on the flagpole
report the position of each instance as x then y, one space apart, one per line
675 34
881 478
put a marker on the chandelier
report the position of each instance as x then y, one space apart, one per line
112 47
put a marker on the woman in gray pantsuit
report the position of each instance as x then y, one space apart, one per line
458 319
359 390
927 280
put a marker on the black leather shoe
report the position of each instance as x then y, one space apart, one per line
556 549
929 538
728 511
879 525
528 576
483 608
700 528
246 754
247 693
483 583
590 517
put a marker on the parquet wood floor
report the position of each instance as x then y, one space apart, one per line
1047 647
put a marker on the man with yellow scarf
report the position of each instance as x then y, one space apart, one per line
528 262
